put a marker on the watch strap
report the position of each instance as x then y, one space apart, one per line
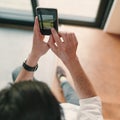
29 68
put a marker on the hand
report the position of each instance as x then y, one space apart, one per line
64 48
39 47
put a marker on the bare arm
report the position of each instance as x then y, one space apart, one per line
66 51
39 48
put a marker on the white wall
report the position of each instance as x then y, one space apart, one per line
113 21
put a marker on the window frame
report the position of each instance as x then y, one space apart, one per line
103 12
105 6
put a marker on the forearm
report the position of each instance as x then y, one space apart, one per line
39 48
25 75
82 84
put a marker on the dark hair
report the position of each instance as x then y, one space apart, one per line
29 100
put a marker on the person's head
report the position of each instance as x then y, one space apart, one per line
29 100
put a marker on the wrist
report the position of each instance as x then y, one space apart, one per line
73 65
29 68
32 60
71 62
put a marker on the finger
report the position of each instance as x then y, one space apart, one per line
37 29
51 44
74 39
56 36
35 25
63 36
69 39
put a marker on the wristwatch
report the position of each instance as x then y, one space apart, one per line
29 68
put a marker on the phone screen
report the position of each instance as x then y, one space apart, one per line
47 19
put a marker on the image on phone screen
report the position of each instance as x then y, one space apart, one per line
47 19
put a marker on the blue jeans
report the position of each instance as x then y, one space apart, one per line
69 93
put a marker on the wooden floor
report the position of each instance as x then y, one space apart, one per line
99 54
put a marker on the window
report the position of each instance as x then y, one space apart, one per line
16 11
80 12
77 12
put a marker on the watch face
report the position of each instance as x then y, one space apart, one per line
48 19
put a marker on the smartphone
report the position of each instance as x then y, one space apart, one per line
48 18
